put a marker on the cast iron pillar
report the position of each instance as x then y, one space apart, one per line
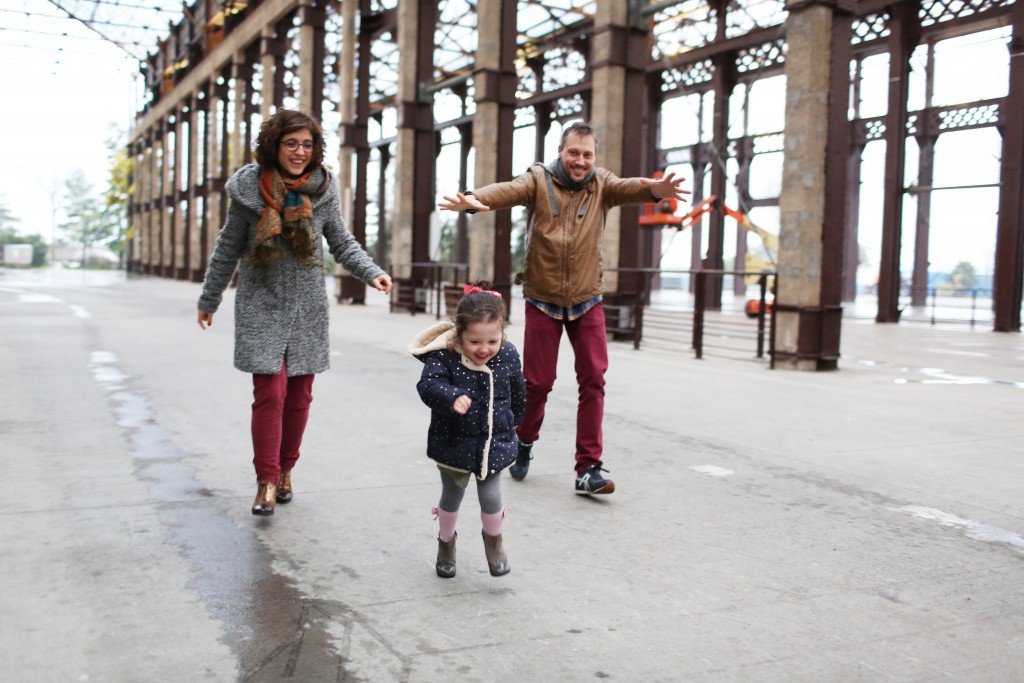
312 54
1009 268
902 24
414 176
353 154
618 56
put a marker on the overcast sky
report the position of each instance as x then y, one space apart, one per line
63 87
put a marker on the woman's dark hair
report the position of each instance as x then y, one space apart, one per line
479 307
282 123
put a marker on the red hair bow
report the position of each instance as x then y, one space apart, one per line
473 289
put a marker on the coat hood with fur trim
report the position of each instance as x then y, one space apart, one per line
483 441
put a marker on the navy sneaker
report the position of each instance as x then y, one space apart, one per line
521 466
591 481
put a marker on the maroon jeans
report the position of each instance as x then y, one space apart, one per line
589 340
280 411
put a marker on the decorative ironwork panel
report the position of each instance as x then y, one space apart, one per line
869 130
527 82
332 53
688 25
912 124
732 149
455 39
869 28
969 117
761 57
448 105
525 117
568 107
676 155
450 135
383 72
939 11
538 20
688 77
563 67
744 16
771 142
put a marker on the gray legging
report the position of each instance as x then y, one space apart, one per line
487 490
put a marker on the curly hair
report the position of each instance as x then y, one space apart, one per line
479 307
282 123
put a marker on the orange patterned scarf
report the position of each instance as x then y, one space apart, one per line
289 207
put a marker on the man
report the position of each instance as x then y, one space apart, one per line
567 203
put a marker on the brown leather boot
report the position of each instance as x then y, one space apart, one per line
496 560
284 488
446 557
266 495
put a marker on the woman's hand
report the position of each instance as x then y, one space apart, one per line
382 283
462 404
205 319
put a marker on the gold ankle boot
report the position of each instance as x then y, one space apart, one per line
284 488
266 494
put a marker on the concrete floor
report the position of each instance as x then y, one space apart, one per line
858 525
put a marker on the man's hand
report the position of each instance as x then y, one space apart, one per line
461 202
382 283
205 319
666 187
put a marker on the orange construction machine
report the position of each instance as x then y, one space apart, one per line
662 214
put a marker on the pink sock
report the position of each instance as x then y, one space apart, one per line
446 520
492 523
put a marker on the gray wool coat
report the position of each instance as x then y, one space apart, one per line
282 307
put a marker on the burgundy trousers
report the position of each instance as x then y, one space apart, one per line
589 340
280 410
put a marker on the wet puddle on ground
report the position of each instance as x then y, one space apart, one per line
274 630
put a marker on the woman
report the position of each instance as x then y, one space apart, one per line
282 207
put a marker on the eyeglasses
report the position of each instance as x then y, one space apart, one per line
293 145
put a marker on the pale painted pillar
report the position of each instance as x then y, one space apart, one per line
495 86
268 61
195 217
812 204
311 58
406 143
178 173
238 145
166 203
618 55
347 133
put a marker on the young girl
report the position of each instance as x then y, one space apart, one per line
473 383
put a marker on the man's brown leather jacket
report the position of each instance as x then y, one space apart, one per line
563 263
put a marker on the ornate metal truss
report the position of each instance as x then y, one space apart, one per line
744 16
688 25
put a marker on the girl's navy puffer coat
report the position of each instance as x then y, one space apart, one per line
483 441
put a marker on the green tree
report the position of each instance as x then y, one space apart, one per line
87 222
119 189
7 219
964 276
